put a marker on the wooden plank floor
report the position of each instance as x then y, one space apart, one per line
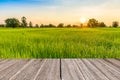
56 69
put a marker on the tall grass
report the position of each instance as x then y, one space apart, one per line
60 43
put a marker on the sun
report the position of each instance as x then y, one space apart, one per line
82 20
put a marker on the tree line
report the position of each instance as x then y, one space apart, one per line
14 22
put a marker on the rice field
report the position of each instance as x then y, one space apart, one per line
60 43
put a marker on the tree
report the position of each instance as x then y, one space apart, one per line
75 26
61 25
115 24
51 26
12 22
2 25
92 23
24 22
37 26
68 26
30 24
41 26
101 24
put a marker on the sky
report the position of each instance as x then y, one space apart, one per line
60 11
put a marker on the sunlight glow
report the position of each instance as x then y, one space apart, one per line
82 20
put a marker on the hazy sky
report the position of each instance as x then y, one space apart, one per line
60 11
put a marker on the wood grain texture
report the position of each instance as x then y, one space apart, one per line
49 69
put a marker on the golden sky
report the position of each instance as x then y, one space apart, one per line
60 11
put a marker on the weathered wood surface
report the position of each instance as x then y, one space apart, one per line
52 69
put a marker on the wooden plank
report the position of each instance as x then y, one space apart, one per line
11 70
104 69
29 71
113 69
70 70
2 60
85 71
95 72
5 64
49 70
114 62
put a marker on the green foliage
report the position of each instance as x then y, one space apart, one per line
47 26
24 22
75 26
12 22
30 24
42 26
115 24
60 43
92 23
37 26
2 25
68 26
101 24
61 25
51 26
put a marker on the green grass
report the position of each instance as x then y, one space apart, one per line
60 43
